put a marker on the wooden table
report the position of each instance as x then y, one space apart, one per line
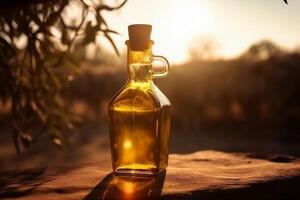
200 175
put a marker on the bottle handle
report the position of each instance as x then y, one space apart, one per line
166 66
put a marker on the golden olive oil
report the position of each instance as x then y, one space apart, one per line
139 119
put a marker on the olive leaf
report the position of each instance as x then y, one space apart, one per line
26 140
90 33
112 42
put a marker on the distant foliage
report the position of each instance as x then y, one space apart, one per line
204 48
250 93
37 40
263 50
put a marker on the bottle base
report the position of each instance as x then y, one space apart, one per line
143 172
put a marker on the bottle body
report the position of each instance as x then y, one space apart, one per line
139 129
139 114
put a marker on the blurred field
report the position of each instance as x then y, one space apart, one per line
251 103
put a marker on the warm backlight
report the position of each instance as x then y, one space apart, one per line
184 21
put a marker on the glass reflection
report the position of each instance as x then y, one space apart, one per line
128 187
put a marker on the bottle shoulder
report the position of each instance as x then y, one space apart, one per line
140 97
161 97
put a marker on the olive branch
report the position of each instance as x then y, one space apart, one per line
37 42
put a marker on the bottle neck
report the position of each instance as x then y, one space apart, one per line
139 64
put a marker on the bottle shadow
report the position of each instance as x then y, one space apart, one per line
128 187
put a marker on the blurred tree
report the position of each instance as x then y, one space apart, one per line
297 49
263 50
37 41
203 48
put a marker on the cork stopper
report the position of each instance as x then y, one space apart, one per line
139 36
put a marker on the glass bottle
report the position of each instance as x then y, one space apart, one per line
139 114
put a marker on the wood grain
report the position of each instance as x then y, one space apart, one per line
200 175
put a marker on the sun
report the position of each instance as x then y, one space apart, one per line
183 21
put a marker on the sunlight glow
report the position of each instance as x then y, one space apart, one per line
127 144
128 187
184 21
176 24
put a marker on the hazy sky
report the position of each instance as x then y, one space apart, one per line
233 24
